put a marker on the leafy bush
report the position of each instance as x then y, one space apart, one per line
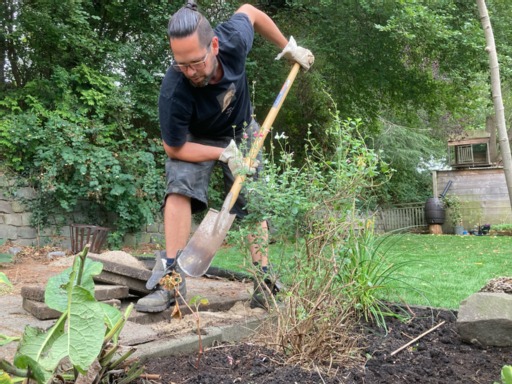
454 205
82 146
502 227
316 207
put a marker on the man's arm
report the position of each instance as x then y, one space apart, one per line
193 152
264 25
231 155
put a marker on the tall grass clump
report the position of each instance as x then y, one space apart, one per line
316 207
366 275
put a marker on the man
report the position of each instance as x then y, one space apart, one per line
205 111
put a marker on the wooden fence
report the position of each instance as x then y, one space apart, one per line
401 216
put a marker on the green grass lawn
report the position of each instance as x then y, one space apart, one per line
449 268
446 268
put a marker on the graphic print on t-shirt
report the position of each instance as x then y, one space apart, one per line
225 99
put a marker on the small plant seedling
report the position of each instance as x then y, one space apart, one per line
171 283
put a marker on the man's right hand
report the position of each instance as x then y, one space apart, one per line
235 161
301 55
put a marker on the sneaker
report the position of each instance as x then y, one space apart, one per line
162 298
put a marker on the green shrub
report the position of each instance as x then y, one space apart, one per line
501 227
80 145
315 206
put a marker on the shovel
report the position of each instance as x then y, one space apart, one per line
198 254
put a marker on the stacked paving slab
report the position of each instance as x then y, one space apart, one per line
123 281
123 277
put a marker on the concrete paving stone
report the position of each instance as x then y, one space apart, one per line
42 312
113 302
221 296
33 292
13 320
189 343
180 345
135 286
135 334
122 269
102 292
233 333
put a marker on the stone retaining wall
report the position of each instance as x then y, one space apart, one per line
15 221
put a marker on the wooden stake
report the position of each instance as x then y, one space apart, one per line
419 337
435 229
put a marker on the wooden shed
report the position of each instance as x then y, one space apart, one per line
483 194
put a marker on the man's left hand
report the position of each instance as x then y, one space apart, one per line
235 160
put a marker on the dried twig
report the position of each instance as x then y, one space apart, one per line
150 376
419 337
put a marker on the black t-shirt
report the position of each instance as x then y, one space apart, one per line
218 110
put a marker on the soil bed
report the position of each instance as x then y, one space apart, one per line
438 357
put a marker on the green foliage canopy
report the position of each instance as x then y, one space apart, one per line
80 84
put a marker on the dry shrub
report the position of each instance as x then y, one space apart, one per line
315 323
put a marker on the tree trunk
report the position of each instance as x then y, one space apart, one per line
9 11
490 127
499 110
3 45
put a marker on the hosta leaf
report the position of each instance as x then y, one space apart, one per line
85 328
25 362
37 344
56 295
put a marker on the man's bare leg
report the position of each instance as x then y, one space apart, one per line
264 286
177 223
258 244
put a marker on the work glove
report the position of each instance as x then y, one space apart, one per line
235 161
301 55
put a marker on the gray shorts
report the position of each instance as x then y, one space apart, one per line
192 179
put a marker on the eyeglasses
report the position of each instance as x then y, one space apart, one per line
196 65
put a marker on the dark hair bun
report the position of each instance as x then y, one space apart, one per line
191 4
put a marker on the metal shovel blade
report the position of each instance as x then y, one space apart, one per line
196 257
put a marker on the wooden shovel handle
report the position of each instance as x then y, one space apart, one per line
264 130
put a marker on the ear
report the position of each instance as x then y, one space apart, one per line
215 45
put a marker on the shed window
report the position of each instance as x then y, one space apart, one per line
469 154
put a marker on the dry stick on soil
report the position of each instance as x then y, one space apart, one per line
150 376
419 337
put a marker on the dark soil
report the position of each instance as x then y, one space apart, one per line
438 357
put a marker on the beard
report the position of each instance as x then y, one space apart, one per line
207 78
